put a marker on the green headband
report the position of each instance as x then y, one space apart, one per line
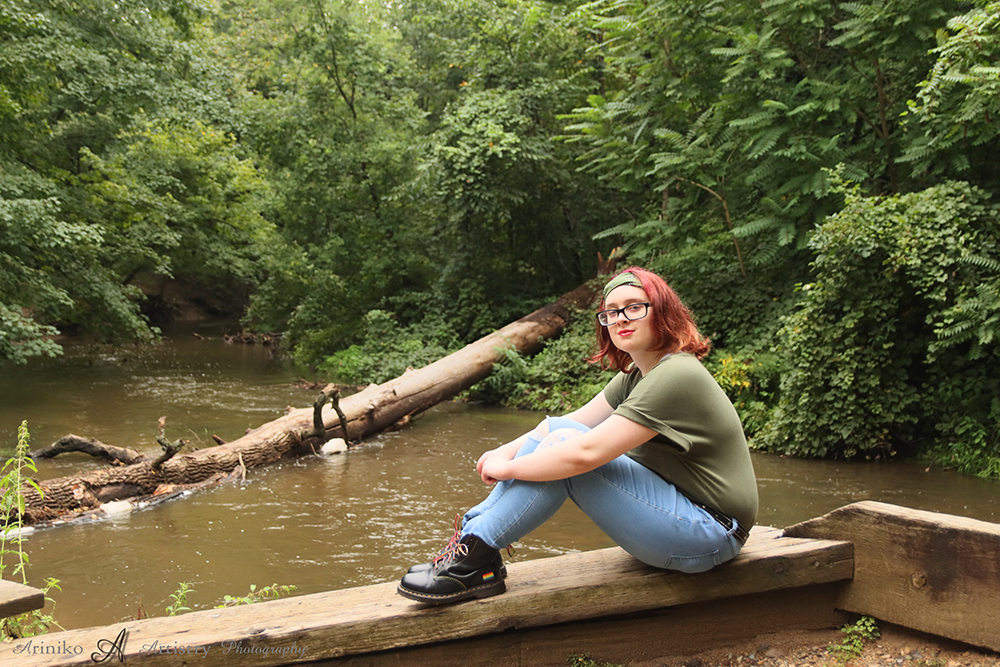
624 278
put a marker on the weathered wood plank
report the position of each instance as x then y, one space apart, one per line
653 637
369 619
17 598
931 572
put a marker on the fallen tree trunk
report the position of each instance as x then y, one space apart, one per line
370 411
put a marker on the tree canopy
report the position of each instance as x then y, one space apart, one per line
381 183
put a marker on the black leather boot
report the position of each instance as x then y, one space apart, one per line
448 548
469 569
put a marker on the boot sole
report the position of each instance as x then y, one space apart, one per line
476 592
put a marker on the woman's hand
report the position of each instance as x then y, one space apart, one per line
496 469
504 453
491 464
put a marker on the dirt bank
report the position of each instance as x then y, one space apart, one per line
896 647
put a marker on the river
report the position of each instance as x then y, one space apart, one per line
319 523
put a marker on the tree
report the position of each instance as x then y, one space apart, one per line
952 117
332 123
895 345
724 117
77 84
442 200
180 200
516 218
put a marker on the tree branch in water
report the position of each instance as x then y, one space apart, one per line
169 448
91 446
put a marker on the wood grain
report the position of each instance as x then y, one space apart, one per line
931 572
544 593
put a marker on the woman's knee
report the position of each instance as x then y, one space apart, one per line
559 423
559 435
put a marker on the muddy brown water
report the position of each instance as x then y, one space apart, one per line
320 523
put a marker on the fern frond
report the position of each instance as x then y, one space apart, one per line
982 262
766 142
767 253
612 231
754 120
765 170
755 227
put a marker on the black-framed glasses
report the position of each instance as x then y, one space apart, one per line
633 311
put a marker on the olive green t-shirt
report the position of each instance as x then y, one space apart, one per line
700 447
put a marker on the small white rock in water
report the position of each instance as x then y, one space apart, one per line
117 507
14 533
335 446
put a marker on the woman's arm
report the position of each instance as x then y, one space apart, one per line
593 413
579 453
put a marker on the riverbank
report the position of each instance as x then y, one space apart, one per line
896 647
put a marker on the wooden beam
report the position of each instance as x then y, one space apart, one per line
18 599
927 571
372 619
666 634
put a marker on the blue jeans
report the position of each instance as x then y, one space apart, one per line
643 513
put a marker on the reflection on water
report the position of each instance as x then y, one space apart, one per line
324 523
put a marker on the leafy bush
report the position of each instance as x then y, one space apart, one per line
893 349
751 382
957 102
387 351
557 380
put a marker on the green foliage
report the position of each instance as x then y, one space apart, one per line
490 159
557 380
75 82
415 169
855 637
969 440
751 382
953 113
47 265
872 369
179 604
15 477
272 592
721 119
516 218
22 337
387 352
334 127
180 601
180 200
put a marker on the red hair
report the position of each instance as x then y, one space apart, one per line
674 329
